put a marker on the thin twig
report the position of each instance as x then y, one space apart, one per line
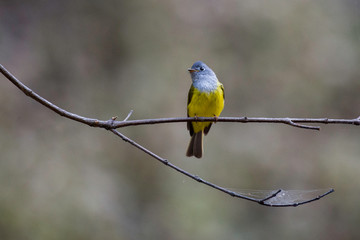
199 179
276 193
112 124
262 201
127 117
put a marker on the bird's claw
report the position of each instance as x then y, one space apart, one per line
216 118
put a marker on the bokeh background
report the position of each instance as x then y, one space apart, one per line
63 180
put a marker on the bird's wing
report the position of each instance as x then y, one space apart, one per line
190 95
222 88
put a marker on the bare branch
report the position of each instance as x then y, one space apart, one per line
269 200
263 201
289 121
118 124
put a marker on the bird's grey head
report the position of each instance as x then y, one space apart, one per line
200 70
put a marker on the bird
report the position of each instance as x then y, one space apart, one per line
205 99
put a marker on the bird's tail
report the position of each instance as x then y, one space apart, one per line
195 147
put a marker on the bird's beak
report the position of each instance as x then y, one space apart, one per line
192 70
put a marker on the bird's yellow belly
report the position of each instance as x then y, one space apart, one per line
205 104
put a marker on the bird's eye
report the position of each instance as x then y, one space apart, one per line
202 68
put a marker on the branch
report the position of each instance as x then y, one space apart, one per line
290 121
112 124
269 200
278 198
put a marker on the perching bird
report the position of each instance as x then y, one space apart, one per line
205 99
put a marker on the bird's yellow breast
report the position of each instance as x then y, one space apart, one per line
205 104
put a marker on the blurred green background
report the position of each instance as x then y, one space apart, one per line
63 180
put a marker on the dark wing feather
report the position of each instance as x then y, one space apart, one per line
207 129
190 95
222 88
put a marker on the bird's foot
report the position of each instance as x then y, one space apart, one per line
216 118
